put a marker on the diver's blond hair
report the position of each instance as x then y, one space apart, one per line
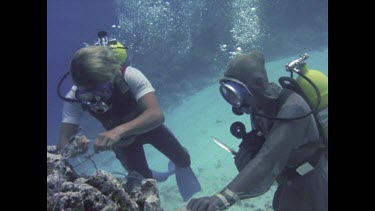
94 65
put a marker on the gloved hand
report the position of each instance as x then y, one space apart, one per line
219 201
208 203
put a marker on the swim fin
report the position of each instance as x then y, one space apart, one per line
162 176
187 182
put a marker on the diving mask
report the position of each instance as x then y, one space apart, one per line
234 91
95 97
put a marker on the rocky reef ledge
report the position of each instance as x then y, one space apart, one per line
66 190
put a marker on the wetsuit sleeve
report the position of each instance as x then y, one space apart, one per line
259 174
72 112
138 83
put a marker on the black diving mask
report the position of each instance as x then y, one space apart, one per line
95 97
234 91
100 92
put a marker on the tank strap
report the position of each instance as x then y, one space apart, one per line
291 84
285 93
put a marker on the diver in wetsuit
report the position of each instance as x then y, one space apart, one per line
124 101
288 151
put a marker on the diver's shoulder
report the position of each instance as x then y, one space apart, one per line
134 74
132 69
293 105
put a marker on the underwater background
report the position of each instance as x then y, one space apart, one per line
183 47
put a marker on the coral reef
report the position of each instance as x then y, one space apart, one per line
66 190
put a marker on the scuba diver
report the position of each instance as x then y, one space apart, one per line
123 100
288 140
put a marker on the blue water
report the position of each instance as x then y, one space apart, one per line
183 47
69 24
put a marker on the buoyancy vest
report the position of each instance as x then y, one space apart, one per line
309 163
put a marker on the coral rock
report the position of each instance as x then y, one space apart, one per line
101 191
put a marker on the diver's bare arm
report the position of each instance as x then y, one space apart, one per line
67 130
151 117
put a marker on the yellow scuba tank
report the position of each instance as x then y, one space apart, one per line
321 82
119 50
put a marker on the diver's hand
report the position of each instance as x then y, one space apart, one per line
124 142
208 203
77 145
105 140
219 201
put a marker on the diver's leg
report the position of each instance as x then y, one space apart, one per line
164 141
133 158
121 156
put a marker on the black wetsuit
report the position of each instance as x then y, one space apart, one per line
287 144
133 157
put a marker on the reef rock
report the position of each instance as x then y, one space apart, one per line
66 190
